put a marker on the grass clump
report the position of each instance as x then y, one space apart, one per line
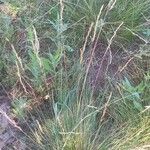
75 77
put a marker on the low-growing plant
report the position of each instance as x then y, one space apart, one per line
58 106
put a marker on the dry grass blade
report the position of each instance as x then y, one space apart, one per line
12 122
105 108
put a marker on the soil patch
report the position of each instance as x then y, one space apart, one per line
8 127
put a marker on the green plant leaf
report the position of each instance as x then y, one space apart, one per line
136 95
137 105
69 48
127 86
147 32
46 64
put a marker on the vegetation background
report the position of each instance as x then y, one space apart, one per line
77 73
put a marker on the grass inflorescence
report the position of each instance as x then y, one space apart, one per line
77 72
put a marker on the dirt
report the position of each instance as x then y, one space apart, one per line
109 66
8 127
